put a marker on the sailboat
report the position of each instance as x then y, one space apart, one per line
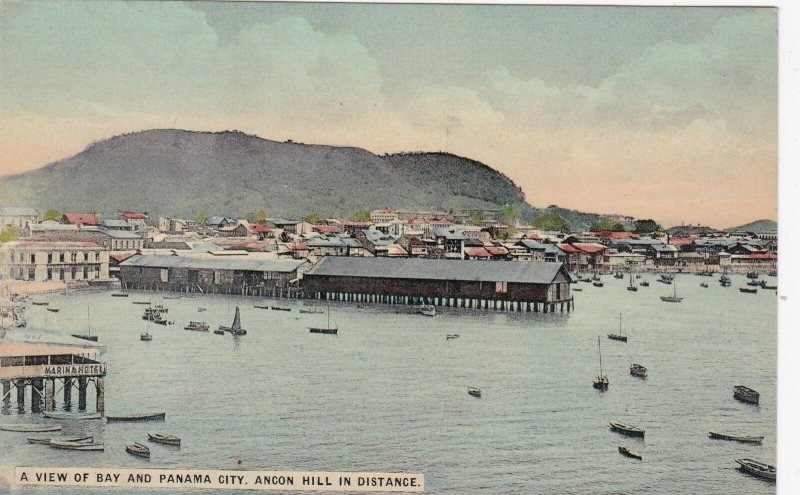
146 336
673 298
724 279
88 335
619 336
600 380
327 329
236 327
631 286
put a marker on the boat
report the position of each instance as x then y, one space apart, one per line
236 327
757 469
619 275
745 394
597 283
142 302
163 438
752 275
137 417
768 287
92 338
200 310
638 370
673 298
748 291
644 283
576 289
452 336
219 331
475 392
159 320
47 440
595 276
197 326
138 449
629 452
88 335
40 303
91 447
257 306
755 283
704 285
280 308
30 428
619 336
70 416
312 311
600 380
119 294
425 310
631 285
53 309
328 329
626 429
772 273
735 438
146 337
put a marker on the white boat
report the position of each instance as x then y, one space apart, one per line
70 416
757 469
47 440
30 428
425 310
58 444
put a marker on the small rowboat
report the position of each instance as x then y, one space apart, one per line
119 294
638 370
47 440
748 291
625 429
745 394
629 452
475 392
735 438
57 444
757 469
312 311
280 308
66 415
142 302
137 417
145 337
597 283
452 336
138 449
197 326
260 306
163 438
619 337
40 303
53 309
30 428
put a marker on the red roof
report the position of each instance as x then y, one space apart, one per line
610 234
326 229
132 215
589 247
762 256
48 244
121 256
683 241
443 221
81 218
569 248
477 252
350 223
496 250
259 229
298 246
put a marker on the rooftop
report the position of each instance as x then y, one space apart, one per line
245 263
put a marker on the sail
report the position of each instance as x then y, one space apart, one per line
237 324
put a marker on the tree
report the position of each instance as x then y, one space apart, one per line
258 217
52 214
549 221
646 226
201 218
509 215
507 233
10 233
312 219
607 224
362 216
478 218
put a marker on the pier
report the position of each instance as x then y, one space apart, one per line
50 370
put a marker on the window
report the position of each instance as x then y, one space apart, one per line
61 273
49 258
31 273
501 287
165 274
73 257
49 274
85 272
74 271
61 257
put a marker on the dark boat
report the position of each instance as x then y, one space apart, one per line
40 303
164 438
600 380
236 327
452 336
753 274
629 452
475 392
597 283
576 289
638 370
197 326
137 417
52 309
626 429
745 394
704 285
618 275
619 336
631 285
644 283
425 310
757 469
747 291
673 298
735 438
138 449
119 294
280 308
145 337
327 329
219 331
92 338
47 440
768 287
257 306
142 302
70 416
755 283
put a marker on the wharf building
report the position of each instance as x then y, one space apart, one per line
42 261
523 286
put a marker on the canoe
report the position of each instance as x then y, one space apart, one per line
745 394
91 338
625 429
163 438
260 307
735 438
66 415
137 417
280 308
138 449
47 440
629 452
748 291
30 428
452 336
757 469
57 444
638 370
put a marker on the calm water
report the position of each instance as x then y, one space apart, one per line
389 392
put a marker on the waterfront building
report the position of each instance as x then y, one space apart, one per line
62 261
326 246
450 241
18 216
663 254
480 284
248 274
80 219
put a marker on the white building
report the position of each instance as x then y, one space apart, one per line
42 261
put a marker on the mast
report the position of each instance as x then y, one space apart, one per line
600 354
620 323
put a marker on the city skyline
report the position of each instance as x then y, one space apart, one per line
664 113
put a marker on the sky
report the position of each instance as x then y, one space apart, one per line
664 113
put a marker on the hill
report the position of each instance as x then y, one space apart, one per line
756 227
185 173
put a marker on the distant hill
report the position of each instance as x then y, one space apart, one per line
756 227
184 173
